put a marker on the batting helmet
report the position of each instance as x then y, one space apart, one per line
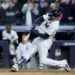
55 13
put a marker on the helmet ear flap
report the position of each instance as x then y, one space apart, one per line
61 15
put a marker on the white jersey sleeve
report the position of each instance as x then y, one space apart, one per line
49 27
53 28
46 16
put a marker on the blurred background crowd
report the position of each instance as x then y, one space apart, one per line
25 12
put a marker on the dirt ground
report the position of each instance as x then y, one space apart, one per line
36 72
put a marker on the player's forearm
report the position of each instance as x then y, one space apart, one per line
36 32
44 36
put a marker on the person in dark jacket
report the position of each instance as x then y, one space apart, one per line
11 14
19 7
35 11
1 14
45 9
22 2
73 4
67 11
17 4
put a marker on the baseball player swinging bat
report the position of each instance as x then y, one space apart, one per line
45 32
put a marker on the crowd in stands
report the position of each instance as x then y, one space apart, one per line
20 12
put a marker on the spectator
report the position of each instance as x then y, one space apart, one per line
49 1
62 1
22 2
53 6
17 4
73 4
67 11
45 9
5 4
12 37
41 3
27 10
11 14
36 11
1 14
57 4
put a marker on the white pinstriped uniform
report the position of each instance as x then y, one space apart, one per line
42 46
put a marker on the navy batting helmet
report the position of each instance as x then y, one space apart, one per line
55 13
